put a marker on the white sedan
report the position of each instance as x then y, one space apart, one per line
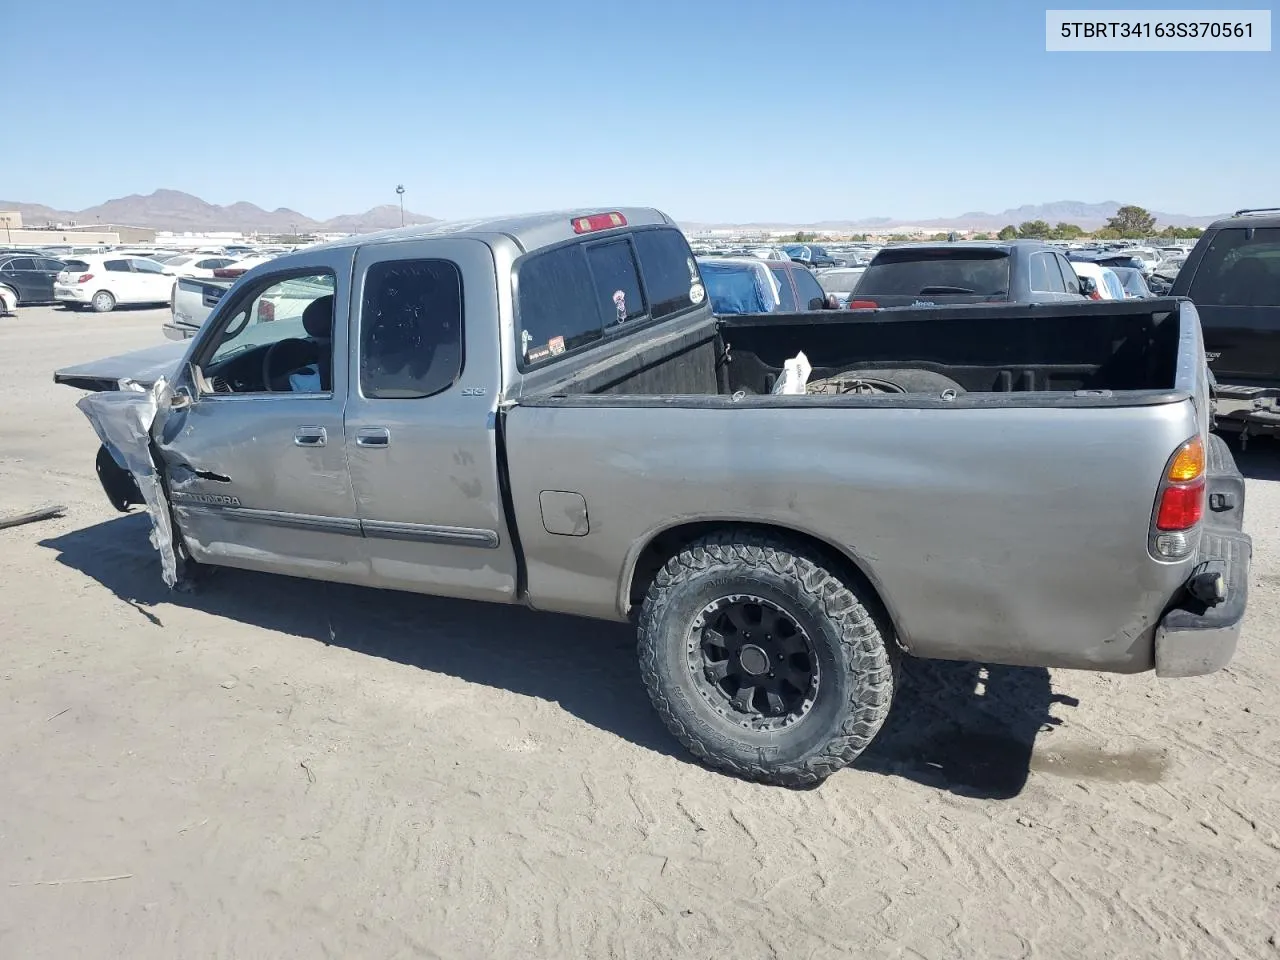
105 280
196 265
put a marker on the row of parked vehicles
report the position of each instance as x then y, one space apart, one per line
1019 271
103 281
550 410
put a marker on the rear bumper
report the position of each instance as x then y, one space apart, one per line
1193 639
178 331
71 294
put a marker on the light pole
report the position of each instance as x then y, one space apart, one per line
8 237
400 194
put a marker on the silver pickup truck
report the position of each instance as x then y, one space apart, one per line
543 410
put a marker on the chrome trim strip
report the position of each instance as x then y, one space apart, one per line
431 533
277 518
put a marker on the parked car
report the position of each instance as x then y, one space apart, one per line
243 265
1147 256
1102 283
614 450
1233 276
196 265
768 253
1132 282
26 279
930 274
839 282
105 281
811 255
750 285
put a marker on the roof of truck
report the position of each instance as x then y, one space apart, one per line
530 230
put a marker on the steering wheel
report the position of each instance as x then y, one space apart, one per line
269 356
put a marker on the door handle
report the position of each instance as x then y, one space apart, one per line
373 437
310 436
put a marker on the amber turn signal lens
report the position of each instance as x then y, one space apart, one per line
1189 463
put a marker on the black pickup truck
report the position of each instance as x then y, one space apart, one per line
1233 277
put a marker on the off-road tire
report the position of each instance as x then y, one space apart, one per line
103 302
857 658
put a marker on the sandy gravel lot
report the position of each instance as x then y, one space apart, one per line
277 768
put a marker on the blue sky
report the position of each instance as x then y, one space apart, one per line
713 111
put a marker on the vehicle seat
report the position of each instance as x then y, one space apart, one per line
317 320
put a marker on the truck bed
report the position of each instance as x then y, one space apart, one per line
1006 521
1092 352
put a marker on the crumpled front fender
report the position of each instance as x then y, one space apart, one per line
123 419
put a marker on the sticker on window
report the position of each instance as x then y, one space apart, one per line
541 353
693 270
697 294
556 345
620 301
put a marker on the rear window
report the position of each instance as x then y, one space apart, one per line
786 298
1239 270
570 296
670 275
910 273
616 281
839 281
556 304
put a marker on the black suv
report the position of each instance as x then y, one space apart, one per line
1233 277
26 278
933 274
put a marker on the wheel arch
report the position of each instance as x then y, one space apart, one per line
648 555
10 294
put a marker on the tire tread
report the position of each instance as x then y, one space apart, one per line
867 653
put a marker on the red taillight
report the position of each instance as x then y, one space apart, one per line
1181 506
1096 294
85 278
266 311
229 273
863 305
598 221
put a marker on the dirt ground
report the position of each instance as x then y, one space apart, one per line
278 768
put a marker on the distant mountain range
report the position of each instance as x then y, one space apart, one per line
1088 216
179 212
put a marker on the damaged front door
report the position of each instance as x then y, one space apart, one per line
252 446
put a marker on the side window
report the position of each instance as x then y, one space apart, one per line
1239 270
22 263
52 266
786 295
556 306
410 329
279 338
1041 282
8 268
146 266
809 288
617 281
117 266
1070 281
671 278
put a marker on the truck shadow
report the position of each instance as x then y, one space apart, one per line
965 727
1260 460
956 726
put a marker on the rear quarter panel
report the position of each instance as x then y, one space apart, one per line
1009 535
